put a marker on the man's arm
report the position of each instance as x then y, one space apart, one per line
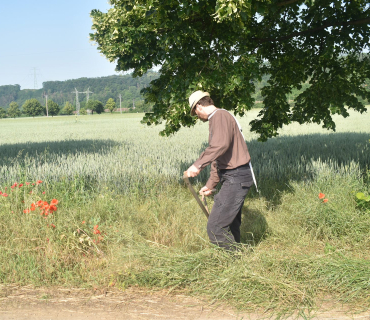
212 181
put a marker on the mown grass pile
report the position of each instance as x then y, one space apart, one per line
124 217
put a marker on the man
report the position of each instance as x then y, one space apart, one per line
229 158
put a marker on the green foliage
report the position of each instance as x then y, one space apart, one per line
8 94
53 108
13 110
319 43
363 201
67 109
83 112
2 113
110 105
32 107
95 106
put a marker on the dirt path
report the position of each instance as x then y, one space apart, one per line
27 303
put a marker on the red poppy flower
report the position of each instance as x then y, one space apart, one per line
43 192
52 208
83 222
1 193
54 202
39 203
321 195
325 200
38 181
5 194
27 183
21 185
96 231
53 225
26 210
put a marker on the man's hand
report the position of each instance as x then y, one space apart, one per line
205 191
193 171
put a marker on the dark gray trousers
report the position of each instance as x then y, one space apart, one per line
224 222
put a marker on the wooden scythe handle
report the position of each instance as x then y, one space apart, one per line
195 195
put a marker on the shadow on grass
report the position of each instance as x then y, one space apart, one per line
281 160
254 226
17 153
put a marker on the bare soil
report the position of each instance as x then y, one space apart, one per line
29 303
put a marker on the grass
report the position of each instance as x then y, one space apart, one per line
113 172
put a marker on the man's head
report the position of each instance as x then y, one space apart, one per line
201 105
196 98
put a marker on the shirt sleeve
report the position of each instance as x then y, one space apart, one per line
213 177
221 135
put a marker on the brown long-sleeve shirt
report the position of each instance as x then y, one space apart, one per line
227 148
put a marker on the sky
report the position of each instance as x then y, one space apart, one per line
49 39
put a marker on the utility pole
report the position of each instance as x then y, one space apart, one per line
120 105
133 104
77 102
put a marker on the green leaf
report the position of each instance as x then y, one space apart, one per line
360 196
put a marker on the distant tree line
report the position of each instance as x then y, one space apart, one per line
105 96
103 88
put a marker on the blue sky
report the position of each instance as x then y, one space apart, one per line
51 36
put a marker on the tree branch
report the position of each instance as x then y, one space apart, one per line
327 25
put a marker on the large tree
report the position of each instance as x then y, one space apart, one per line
2 113
32 107
95 106
226 46
110 105
68 109
53 108
13 110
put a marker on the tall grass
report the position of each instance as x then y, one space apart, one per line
113 172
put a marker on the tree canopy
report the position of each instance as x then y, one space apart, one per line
67 109
95 106
226 46
53 108
13 110
32 107
2 113
110 105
